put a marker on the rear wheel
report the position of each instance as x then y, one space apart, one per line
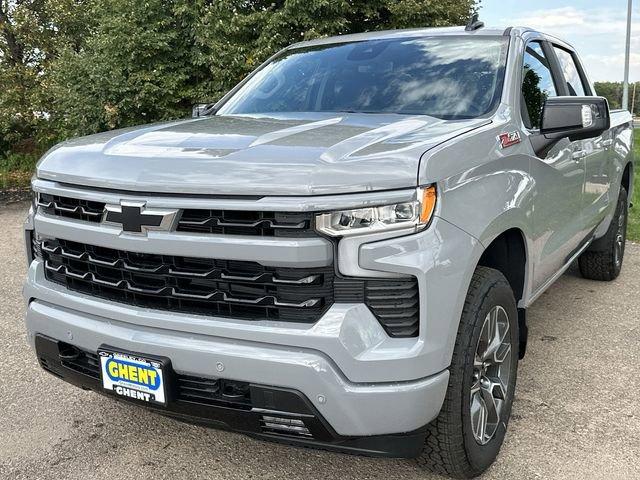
467 435
603 260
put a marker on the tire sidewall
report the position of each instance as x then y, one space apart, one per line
482 456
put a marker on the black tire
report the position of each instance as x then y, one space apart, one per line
451 447
603 260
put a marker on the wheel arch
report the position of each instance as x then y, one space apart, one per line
507 252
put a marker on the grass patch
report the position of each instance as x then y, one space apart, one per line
633 230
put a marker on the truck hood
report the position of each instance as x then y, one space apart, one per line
301 154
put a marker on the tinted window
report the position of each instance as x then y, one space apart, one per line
570 71
446 77
537 84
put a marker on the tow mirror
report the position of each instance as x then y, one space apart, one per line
575 118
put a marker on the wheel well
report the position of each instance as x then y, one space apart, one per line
626 178
507 254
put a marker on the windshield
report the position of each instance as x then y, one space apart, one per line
445 77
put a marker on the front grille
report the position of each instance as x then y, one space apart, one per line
215 222
75 208
227 288
255 223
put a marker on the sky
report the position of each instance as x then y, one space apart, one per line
596 29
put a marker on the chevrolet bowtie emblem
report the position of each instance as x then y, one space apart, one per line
134 217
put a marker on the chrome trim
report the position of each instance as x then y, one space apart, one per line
168 222
263 277
175 293
78 209
218 223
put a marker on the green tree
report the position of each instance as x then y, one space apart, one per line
31 35
73 67
235 36
134 68
612 91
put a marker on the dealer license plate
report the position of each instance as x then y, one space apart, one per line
133 377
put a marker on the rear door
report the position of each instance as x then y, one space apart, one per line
559 173
594 150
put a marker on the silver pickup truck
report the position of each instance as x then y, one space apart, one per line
340 252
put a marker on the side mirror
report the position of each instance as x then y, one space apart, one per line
198 109
575 118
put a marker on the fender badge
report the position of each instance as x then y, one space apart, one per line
509 138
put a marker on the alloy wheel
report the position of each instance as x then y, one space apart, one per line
491 375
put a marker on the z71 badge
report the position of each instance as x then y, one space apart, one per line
508 139
133 377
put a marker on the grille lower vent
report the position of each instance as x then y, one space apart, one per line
394 302
212 391
284 426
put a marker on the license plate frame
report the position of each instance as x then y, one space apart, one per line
134 376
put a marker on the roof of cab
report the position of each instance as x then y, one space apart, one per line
405 33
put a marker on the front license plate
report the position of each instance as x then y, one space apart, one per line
131 376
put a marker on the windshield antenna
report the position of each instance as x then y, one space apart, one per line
474 24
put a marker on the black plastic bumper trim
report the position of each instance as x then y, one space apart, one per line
240 418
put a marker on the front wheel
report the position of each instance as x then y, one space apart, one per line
467 435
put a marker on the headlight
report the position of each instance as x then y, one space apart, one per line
415 214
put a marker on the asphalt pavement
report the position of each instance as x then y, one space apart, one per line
576 414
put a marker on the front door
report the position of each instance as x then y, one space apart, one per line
557 219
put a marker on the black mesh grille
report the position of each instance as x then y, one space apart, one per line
256 223
71 207
224 288
213 391
237 289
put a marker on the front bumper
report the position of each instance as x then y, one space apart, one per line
345 365
352 409
266 407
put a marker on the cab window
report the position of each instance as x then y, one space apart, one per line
537 84
575 85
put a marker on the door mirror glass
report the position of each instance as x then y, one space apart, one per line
575 118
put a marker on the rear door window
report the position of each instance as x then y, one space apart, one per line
575 83
537 84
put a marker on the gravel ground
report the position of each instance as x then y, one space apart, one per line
576 413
